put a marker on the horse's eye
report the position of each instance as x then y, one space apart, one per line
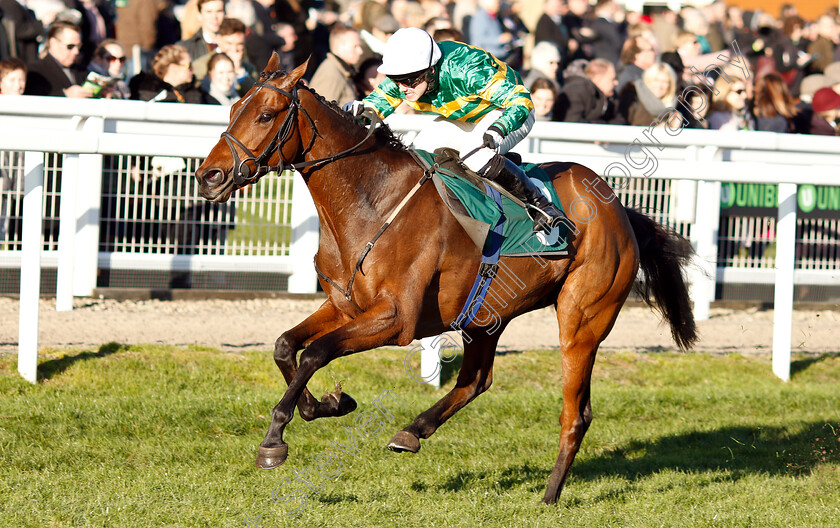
265 117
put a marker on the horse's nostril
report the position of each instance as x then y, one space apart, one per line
213 176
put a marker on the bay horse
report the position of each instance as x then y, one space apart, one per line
416 279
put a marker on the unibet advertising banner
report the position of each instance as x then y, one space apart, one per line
762 199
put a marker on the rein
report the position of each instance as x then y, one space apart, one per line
348 291
243 174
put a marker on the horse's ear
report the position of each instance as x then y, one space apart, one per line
273 64
298 72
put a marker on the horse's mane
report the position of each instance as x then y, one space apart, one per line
383 131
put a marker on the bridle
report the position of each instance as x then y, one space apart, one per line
243 174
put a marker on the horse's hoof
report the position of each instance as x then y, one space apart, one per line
404 441
271 457
337 403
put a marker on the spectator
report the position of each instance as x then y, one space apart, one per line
673 59
695 23
513 24
281 38
57 74
189 23
264 20
109 62
550 27
370 11
435 24
368 76
729 106
545 60
230 40
12 82
211 13
715 14
334 77
486 30
588 99
603 32
27 29
773 107
788 51
96 25
12 77
373 41
137 25
826 105
664 26
637 55
574 19
221 77
171 80
575 68
544 97
287 50
809 86
822 48
644 100
832 75
445 34
297 13
695 111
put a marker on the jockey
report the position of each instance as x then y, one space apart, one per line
479 101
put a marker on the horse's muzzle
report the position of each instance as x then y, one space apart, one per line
213 184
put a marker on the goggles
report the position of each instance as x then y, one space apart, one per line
411 80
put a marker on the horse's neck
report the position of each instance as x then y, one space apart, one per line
357 192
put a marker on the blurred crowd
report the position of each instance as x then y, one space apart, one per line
588 62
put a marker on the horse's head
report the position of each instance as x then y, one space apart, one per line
262 135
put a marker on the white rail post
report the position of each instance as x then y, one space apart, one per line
704 235
30 265
305 233
430 367
67 233
88 203
783 297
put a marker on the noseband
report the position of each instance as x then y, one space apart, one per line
242 172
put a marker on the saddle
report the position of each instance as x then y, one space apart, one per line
450 159
482 207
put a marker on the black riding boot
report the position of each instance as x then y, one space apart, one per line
507 174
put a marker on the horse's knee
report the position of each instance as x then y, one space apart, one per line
284 349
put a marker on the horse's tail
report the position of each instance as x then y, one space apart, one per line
662 255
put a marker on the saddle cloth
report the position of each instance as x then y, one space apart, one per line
478 213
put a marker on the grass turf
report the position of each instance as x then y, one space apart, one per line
161 436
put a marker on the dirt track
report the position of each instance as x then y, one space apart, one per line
256 323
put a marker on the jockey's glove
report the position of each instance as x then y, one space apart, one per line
354 107
493 137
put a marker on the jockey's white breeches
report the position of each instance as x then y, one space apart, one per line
464 137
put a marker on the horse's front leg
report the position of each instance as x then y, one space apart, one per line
324 320
375 327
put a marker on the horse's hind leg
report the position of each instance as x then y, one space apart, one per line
585 316
324 320
475 377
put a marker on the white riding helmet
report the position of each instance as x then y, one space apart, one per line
409 50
